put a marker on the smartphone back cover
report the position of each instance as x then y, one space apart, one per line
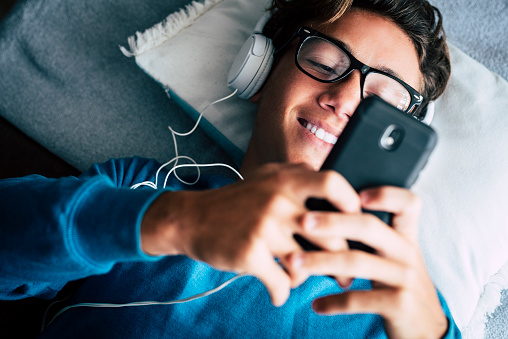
363 153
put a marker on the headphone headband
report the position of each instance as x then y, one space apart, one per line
261 23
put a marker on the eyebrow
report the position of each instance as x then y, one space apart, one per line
346 47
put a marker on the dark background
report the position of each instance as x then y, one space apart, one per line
20 156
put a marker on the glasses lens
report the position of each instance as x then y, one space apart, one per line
322 59
388 89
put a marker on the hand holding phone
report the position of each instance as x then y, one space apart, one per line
380 146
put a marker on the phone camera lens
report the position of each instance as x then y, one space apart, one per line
392 137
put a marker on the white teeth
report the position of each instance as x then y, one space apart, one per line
330 138
321 134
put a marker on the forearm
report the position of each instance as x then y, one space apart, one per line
57 230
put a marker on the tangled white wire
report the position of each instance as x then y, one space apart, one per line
154 184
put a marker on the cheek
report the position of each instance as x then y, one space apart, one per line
279 94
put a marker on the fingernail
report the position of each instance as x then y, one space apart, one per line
297 260
365 197
346 284
317 306
280 300
310 222
278 303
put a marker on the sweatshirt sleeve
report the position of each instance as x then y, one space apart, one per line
453 331
58 230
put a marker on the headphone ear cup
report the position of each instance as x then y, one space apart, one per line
251 66
429 113
261 76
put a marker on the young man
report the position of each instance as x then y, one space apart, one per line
137 245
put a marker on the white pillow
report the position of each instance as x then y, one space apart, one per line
464 226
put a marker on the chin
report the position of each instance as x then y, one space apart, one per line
313 160
316 164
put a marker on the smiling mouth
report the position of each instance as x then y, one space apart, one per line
318 132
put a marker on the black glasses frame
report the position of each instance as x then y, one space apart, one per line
305 32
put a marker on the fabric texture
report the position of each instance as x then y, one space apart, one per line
72 228
463 228
479 29
241 309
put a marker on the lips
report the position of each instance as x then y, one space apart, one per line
319 132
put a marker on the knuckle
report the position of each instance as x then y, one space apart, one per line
415 203
336 244
403 297
409 276
275 203
370 223
382 192
327 175
281 180
249 256
270 167
329 180
350 259
412 257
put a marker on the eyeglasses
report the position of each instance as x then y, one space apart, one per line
324 60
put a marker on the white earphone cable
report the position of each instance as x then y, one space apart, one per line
177 157
154 185
139 303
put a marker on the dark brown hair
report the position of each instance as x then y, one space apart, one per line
421 21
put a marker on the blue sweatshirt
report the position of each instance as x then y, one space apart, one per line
58 230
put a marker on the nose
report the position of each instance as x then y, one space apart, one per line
342 96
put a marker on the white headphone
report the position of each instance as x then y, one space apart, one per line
252 64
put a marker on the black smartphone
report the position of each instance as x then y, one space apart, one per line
379 146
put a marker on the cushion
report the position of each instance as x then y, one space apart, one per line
464 225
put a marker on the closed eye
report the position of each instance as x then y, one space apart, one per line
316 67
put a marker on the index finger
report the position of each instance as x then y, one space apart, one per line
328 185
405 206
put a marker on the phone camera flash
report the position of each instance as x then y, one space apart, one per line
392 137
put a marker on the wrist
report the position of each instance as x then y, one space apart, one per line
161 224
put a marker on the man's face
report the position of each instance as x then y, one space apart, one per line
289 99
